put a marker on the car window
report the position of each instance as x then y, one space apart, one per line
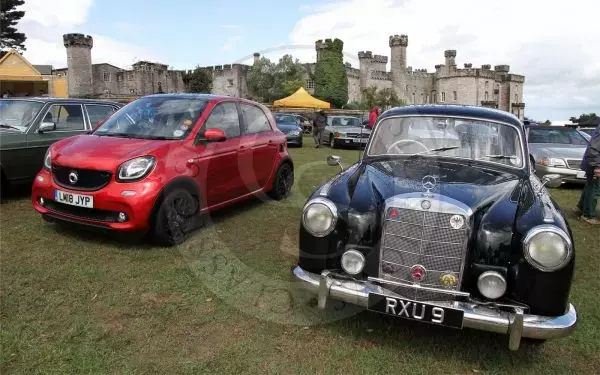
256 121
97 112
67 117
225 117
557 136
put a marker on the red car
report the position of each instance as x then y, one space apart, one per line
161 162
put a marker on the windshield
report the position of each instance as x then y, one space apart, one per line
286 119
565 136
448 137
344 121
154 118
18 114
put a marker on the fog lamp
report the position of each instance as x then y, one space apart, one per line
122 217
353 262
41 200
491 284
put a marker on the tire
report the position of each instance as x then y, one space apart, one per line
282 184
176 217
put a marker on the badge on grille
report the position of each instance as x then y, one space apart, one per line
457 221
73 177
448 280
417 272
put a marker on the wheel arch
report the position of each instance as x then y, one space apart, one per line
182 182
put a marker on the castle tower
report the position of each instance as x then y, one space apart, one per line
398 44
450 56
79 64
365 59
256 57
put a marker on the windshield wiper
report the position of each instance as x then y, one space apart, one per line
122 135
499 157
441 149
9 127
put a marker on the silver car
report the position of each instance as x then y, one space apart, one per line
345 131
557 150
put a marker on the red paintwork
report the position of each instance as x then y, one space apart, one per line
215 135
226 172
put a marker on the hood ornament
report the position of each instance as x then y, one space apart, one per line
429 183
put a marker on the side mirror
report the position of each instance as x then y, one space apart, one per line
46 127
552 180
334 160
211 135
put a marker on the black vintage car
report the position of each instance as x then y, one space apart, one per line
442 221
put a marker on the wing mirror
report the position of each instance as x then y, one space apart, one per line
46 127
552 180
334 160
211 135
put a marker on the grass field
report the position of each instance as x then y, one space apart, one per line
77 302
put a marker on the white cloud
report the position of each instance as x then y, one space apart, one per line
231 42
45 22
553 44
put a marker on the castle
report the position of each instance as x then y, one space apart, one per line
484 86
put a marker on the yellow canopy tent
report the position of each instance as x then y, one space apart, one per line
301 99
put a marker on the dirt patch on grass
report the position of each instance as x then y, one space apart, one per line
158 299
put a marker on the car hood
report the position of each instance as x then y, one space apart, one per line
349 129
101 152
558 150
286 128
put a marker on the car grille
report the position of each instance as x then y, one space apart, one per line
424 238
574 163
82 212
88 179
358 135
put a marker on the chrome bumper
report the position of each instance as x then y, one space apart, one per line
516 324
567 174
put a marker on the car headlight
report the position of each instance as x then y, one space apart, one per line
319 217
547 248
340 135
135 169
553 162
294 133
353 262
48 160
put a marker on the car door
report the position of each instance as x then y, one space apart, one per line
219 173
259 150
97 112
69 121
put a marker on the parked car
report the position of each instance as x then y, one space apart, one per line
460 235
345 131
28 126
162 162
557 150
587 130
290 125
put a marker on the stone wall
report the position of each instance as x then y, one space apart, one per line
229 80
79 62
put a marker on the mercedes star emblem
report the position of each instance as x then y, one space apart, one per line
429 183
73 177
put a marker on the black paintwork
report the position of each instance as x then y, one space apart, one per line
506 203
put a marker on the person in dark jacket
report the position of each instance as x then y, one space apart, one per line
591 190
319 124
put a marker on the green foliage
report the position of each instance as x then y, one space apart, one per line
547 122
268 81
369 97
586 119
200 81
384 98
331 82
354 105
10 38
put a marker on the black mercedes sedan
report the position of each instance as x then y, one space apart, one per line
443 221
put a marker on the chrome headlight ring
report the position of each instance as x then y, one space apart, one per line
538 230
334 216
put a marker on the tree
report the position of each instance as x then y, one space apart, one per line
331 82
547 122
291 86
10 38
586 119
200 81
268 81
369 97
387 98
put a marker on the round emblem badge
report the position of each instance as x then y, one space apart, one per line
457 221
448 280
417 272
425 204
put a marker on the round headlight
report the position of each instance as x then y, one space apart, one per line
319 217
491 284
353 262
547 248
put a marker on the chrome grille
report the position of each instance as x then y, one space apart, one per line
414 236
574 163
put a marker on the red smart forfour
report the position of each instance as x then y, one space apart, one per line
161 162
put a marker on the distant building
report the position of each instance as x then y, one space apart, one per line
20 78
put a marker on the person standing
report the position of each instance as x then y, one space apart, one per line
373 114
591 190
318 125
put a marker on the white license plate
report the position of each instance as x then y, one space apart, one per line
361 140
581 174
74 199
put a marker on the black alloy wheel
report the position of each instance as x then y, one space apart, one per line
284 179
176 217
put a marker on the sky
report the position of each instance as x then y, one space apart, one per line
554 46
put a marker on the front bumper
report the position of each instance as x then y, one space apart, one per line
347 141
515 324
294 139
567 174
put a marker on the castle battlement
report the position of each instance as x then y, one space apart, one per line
502 68
380 75
365 55
398 40
329 44
78 40
380 59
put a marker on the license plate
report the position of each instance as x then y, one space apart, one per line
581 174
74 199
412 310
361 140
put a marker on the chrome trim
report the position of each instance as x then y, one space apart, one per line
547 228
327 203
420 287
360 255
476 315
520 131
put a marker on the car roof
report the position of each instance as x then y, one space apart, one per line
453 110
548 127
63 100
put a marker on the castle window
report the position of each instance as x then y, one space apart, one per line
486 84
130 76
516 97
310 84
454 94
406 88
487 96
230 82
443 97
106 76
433 97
